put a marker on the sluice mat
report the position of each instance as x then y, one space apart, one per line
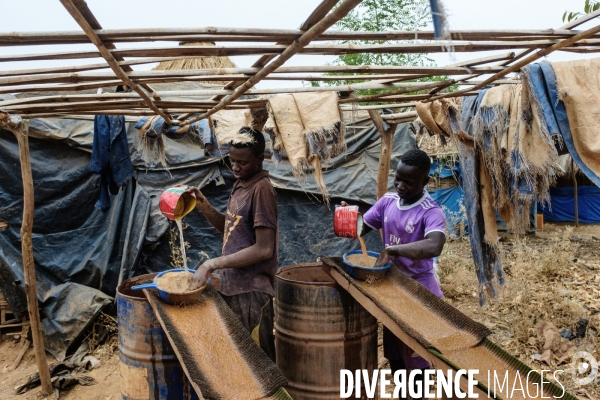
450 335
217 353
495 365
432 322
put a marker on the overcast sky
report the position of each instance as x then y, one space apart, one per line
49 15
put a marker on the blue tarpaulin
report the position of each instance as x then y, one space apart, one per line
563 205
444 169
451 200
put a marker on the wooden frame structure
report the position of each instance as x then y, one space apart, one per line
275 46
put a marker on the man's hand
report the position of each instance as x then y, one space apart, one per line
203 273
214 217
383 259
199 196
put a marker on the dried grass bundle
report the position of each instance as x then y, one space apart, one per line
550 277
196 62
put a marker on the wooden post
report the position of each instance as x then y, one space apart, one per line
21 132
387 136
574 175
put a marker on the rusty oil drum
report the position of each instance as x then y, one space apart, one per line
149 366
320 329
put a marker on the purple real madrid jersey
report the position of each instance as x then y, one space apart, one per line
406 224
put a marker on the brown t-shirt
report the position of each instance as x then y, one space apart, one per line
252 203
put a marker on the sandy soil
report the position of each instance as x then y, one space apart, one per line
175 282
553 276
106 374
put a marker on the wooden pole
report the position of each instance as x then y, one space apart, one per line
21 131
574 175
338 13
93 23
318 14
581 20
108 56
271 35
237 73
378 106
400 117
385 157
523 53
538 54
376 97
85 67
319 49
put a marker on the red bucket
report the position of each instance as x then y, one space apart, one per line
176 202
347 221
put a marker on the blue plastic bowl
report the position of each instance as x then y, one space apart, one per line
173 298
362 273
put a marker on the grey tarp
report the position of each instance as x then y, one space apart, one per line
80 253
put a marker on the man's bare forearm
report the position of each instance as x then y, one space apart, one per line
415 251
429 247
262 250
214 217
243 258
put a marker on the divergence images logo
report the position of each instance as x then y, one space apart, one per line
585 368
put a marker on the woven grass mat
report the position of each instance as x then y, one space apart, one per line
448 334
418 312
217 353
491 360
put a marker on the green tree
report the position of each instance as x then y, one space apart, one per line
385 15
377 16
588 7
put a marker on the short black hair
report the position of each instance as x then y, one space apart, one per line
417 158
257 145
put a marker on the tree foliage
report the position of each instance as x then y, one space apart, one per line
378 16
385 15
588 7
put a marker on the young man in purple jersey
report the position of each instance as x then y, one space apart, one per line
413 231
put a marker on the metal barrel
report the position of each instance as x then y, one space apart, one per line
320 329
149 366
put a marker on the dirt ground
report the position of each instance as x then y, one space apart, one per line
553 276
106 375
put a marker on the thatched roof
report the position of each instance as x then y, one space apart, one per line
196 62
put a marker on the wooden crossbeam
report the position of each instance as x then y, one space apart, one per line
220 34
538 54
581 20
87 67
338 13
237 73
107 55
89 17
317 49
565 27
318 14
378 106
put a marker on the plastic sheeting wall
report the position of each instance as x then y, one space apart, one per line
81 254
563 205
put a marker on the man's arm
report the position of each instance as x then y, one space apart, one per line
260 251
430 247
214 217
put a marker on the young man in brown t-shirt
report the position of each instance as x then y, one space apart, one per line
250 242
